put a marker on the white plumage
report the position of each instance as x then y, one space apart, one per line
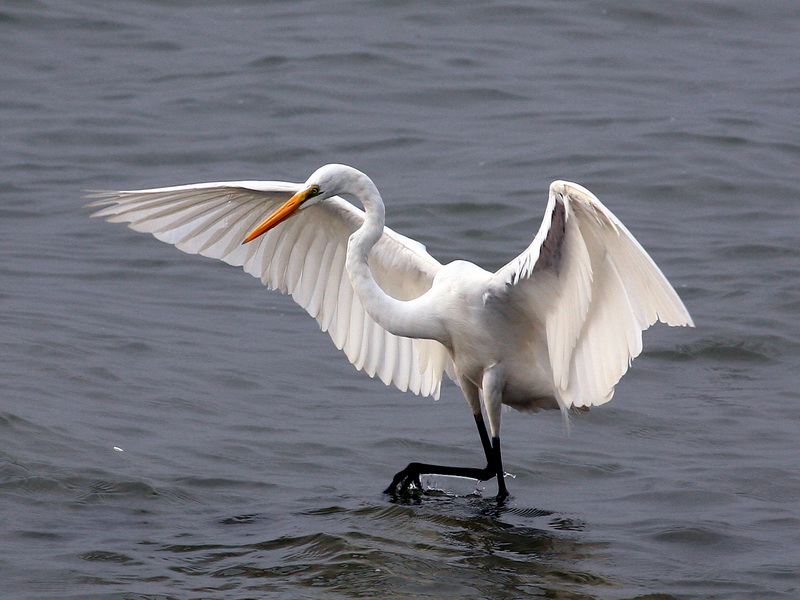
304 257
557 326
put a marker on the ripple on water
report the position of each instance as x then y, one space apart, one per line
724 348
438 547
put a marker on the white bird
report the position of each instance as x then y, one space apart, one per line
556 327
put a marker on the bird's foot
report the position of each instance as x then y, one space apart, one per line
405 479
409 478
502 496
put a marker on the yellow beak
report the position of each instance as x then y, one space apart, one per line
279 216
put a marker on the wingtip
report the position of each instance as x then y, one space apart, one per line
563 186
96 198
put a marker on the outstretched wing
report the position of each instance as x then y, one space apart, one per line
304 256
594 289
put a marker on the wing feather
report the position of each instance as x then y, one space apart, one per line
316 284
593 289
402 376
341 329
330 304
304 256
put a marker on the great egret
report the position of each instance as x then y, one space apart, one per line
556 327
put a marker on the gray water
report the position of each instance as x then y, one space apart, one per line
171 429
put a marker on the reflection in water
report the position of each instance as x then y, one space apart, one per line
433 546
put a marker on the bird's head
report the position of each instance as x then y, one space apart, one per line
319 186
325 182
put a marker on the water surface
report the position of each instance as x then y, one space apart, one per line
170 429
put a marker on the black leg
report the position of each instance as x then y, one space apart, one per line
502 491
410 475
494 467
487 446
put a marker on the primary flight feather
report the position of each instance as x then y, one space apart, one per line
556 327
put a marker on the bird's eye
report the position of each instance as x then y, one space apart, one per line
314 191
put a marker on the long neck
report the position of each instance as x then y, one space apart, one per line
403 318
366 236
